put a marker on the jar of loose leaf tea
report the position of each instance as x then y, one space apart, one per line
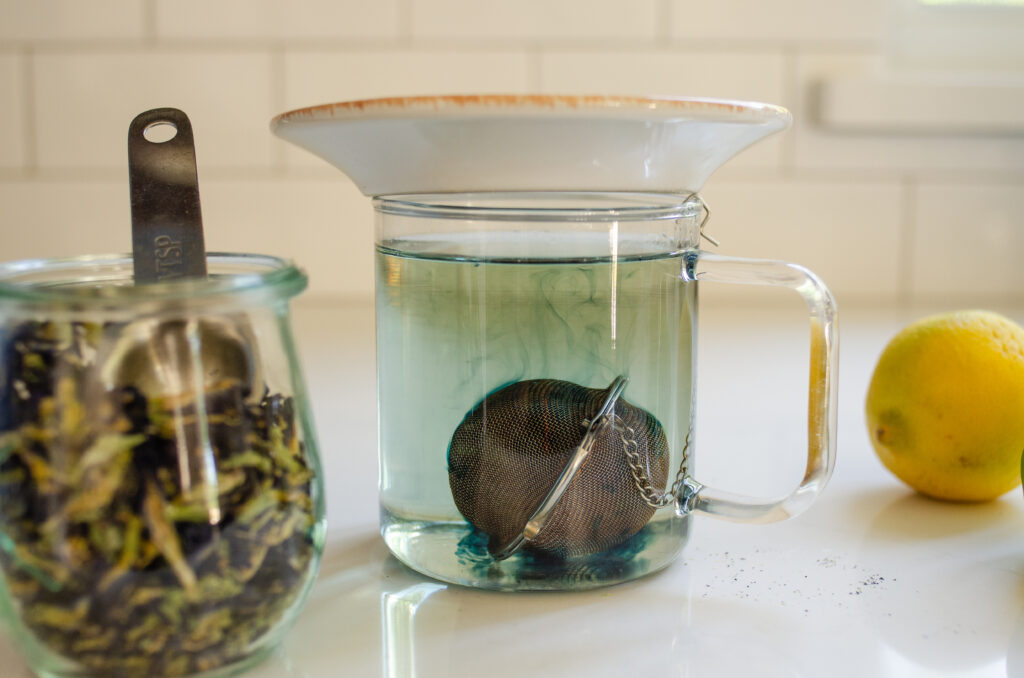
161 506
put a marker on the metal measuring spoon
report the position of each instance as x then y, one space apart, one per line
158 355
167 222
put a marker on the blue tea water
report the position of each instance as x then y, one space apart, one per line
455 321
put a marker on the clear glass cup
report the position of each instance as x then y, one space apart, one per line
161 500
536 384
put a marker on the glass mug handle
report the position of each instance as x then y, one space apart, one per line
821 412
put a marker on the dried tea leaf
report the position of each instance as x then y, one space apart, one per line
129 552
23 588
33 361
152 643
106 538
145 595
130 542
105 450
254 560
230 481
51 573
252 509
166 539
75 552
70 411
172 607
148 552
178 666
58 617
103 483
161 417
249 459
207 630
149 625
298 499
299 478
95 643
10 442
14 477
215 588
284 454
43 474
187 513
296 522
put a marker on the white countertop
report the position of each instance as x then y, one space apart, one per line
873 580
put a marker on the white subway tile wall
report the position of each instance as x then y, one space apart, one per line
83 103
48 21
813 21
881 217
315 77
848 232
44 217
535 20
968 239
908 154
227 20
324 224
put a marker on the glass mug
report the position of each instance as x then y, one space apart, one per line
536 361
537 268
161 500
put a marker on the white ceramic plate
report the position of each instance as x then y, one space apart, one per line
529 142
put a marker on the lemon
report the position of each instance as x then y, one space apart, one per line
945 407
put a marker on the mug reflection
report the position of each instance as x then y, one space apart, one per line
398 613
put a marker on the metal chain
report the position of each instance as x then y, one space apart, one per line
651 496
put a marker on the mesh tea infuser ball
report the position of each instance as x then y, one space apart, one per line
557 467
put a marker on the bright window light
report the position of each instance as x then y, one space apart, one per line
959 36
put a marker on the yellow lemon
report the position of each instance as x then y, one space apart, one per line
945 408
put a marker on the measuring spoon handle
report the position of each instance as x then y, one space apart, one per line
167 224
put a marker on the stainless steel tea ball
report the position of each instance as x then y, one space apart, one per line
556 467
539 518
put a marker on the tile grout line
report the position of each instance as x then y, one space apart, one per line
404 23
278 104
149 22
908 219
752 175
791 91
663 27
79 175
407 39
29 131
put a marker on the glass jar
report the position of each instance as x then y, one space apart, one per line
161 500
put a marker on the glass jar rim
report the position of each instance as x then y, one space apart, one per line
540 206
105 279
